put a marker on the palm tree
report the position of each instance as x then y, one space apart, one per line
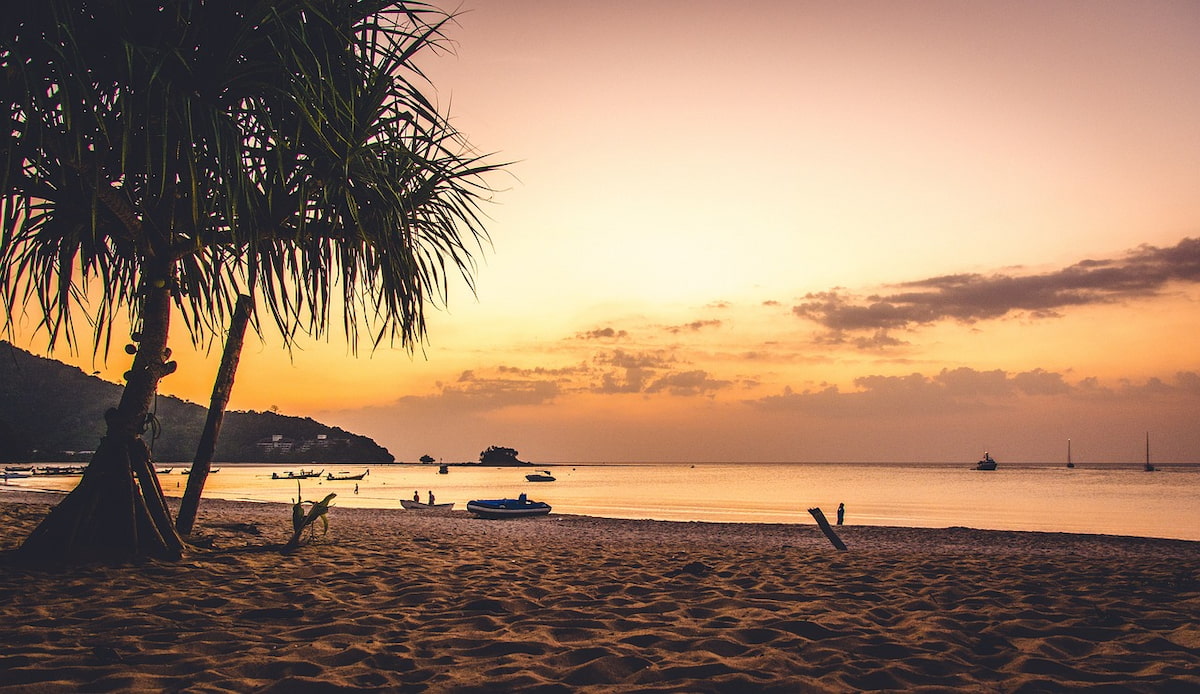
175 155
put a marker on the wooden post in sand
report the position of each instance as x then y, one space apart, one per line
827 529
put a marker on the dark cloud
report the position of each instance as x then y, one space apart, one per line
1039 382
629 372
540 372
472 392
1189 381
657 359
879 340
650 373
966 383
694 326
629 380
964 389
603 334
970 297
687 383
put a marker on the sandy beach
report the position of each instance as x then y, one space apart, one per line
405 601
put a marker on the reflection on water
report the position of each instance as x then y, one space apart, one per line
1098 499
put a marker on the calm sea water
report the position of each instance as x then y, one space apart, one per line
1119 500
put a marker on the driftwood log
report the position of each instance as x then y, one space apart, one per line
827 529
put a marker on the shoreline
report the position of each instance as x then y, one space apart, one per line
793 518
878 535
403 601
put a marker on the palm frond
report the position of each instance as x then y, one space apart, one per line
280 146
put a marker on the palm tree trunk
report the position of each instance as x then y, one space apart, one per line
117 513
222 389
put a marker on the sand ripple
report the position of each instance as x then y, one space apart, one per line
397 601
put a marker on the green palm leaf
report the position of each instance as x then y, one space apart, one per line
282 147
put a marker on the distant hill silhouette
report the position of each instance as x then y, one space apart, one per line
50 411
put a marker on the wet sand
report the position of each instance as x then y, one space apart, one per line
408 601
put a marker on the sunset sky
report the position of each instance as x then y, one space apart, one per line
809 231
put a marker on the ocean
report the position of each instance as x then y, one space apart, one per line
1101 499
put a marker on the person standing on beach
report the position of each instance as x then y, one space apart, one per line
416 496
841 513
431 497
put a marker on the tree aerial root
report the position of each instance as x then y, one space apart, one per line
115 514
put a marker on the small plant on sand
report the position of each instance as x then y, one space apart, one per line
304 515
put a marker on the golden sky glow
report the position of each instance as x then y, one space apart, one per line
801 231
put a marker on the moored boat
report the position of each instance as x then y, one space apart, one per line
302 475
986 463
346 476
543 476
58 470
418 506
507 508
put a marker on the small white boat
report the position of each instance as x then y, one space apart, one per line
543 476
419 506
520 507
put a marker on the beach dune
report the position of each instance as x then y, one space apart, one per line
401 601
